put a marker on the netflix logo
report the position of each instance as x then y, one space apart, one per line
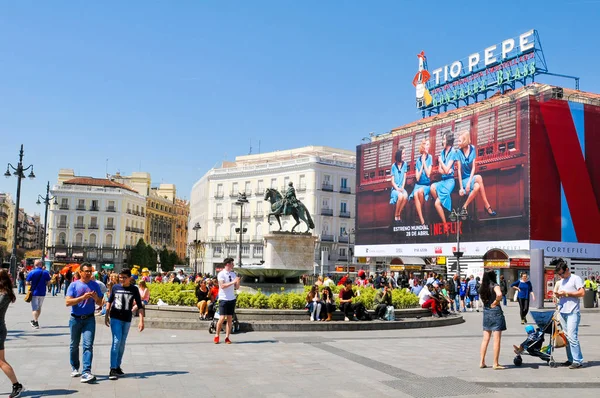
448 228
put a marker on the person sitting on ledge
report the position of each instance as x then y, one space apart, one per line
313 303
328 281
328 301
428 300
346 296
382 300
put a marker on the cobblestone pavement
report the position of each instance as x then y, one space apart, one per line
435 362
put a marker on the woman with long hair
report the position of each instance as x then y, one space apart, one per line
313 300
7 296
493 317
144 295
525 289
422 187
470 184
203 299
398 195
328 301
441 190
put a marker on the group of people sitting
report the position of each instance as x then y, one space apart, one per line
322 304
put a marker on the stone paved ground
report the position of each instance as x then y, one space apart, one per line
424 363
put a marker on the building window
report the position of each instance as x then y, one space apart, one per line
247 188
273 183
81 204
78 239
62 238
258 251
343 207
64 204
93 239
344 183
109 240
94 205
260 187
343 252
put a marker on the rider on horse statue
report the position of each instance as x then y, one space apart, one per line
290 199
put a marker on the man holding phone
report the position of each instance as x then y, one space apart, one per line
83 296
228 283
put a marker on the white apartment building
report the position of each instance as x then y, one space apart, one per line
95 220
324 179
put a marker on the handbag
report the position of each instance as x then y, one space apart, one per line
516 295
560 339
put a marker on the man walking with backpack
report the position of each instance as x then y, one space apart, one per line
118 318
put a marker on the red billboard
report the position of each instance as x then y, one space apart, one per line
474 162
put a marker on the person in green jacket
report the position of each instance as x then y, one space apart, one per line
594 286
382 300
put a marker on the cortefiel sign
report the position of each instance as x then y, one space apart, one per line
512 60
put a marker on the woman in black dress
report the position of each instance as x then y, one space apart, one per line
493 317
7 296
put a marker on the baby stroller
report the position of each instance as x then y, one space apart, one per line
212 328
547 323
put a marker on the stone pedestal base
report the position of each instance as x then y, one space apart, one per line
285 250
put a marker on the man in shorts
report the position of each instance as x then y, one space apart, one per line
38 280
228 283
82 296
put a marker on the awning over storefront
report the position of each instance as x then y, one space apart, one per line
499 258
407 264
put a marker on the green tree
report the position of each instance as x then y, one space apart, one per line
139 255
151 253
165 260
174 258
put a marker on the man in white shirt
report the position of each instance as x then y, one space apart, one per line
569 290
229 282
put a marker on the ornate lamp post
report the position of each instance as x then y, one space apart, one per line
241 201
348 255
457 216
196 228
19 173
46 201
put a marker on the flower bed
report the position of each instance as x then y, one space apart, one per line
183 294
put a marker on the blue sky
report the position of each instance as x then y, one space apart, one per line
174 88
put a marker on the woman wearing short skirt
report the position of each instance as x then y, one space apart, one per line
493 317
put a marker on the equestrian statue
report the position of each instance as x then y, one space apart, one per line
288 206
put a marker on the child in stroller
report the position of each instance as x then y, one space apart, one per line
235 325
534 344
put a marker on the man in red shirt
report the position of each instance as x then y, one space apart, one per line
346 296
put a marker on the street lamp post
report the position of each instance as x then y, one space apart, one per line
46 201
241 201
457 216
348 256
196 228
19 173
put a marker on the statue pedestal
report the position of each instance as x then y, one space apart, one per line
287 255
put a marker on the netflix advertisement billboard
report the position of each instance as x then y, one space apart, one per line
473 163
524 173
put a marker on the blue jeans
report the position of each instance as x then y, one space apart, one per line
504 300
570 323
54 290
87 329
20 287
457 302
119 330
67 283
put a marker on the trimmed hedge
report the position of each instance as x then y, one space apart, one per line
183 294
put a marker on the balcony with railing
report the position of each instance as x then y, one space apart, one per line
233 194
129 211
301 188
259 191
219 195
259 214
79 226
93 226
344 214
109 227
245 215
94 208
128 229
218 216
248 192
111 209
327 238
343 239
234 215
327 187
80 207
63 206
61 225
345 190
327 212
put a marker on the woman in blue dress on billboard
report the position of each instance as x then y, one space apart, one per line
422 174
441 190
470 183
398 195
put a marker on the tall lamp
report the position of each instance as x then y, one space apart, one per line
46 201
456 217
196 228
19 173
241 201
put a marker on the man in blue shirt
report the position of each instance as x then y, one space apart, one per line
83 296
37 280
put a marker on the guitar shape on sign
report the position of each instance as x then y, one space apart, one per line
422 76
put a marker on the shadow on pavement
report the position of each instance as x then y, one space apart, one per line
145 375
255 342
47 393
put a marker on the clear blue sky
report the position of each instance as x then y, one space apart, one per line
174 88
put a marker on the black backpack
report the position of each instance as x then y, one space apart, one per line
361 312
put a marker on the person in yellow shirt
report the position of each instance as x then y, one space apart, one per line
594 286
587 283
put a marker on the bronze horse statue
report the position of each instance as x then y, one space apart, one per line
299 212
